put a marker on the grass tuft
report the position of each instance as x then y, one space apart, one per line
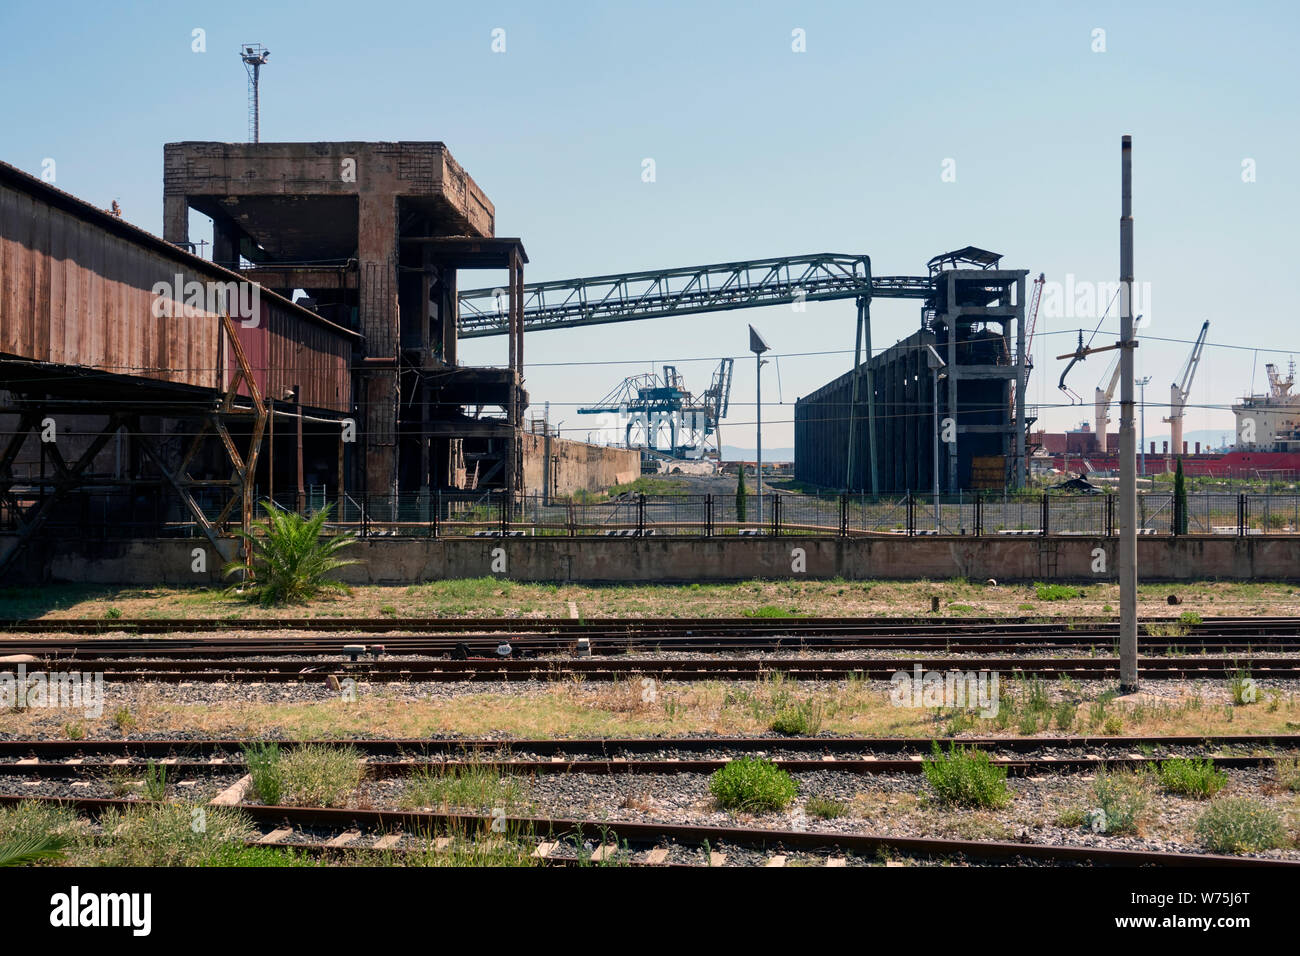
752 785
966 778
1192 777
1122 800
263 762
1240 825
316 775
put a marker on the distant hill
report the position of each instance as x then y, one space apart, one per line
732 453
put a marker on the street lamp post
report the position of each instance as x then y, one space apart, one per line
758 347
933 360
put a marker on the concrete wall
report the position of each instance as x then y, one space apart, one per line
632 560
578 466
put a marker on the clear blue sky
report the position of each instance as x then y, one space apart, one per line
760 151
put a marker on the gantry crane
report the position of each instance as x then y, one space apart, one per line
650 407
1178 393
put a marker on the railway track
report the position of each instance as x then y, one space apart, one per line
675 669
398 758
700 626
610 747
549 832
75 768
532 646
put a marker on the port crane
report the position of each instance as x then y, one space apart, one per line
661 415
1102 398
1179 391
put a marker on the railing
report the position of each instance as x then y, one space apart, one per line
117 513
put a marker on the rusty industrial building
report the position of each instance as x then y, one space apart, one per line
972 338
375 234
134 400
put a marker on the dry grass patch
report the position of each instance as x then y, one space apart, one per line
495 597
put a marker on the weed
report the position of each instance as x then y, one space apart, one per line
1122 799
1242 687
155 780
1064 714
263 762
752 785
475 787
1240 825
316 775
1056 592
825 808
1192 777
966 777
1288 773
163 834
804 719
123 720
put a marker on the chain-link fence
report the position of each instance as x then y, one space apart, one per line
119 513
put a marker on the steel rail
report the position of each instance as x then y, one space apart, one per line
486 646
611 746
618 831
717 625
1015 766
687 669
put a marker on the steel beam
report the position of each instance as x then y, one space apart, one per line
597 300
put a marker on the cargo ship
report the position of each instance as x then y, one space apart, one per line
1267 447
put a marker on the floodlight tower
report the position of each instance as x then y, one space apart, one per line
254 56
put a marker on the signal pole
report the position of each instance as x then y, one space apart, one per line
1127 564
1127 458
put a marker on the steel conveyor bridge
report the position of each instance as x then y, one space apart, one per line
597 300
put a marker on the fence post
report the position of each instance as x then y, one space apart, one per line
911 515
501 515
979 515
708 516
1110 514
1241 514
437 513
1044 519
844 514
776 515
640 516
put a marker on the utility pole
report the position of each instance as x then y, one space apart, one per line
758 347
1127 459
1127 567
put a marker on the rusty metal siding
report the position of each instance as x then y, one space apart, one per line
75 292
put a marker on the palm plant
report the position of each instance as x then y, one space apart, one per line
291 558
33 848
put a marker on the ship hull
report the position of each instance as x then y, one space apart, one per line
1233 464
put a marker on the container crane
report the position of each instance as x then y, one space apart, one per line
1179 391
662 415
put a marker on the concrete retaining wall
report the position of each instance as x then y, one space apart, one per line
643 560
577 465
